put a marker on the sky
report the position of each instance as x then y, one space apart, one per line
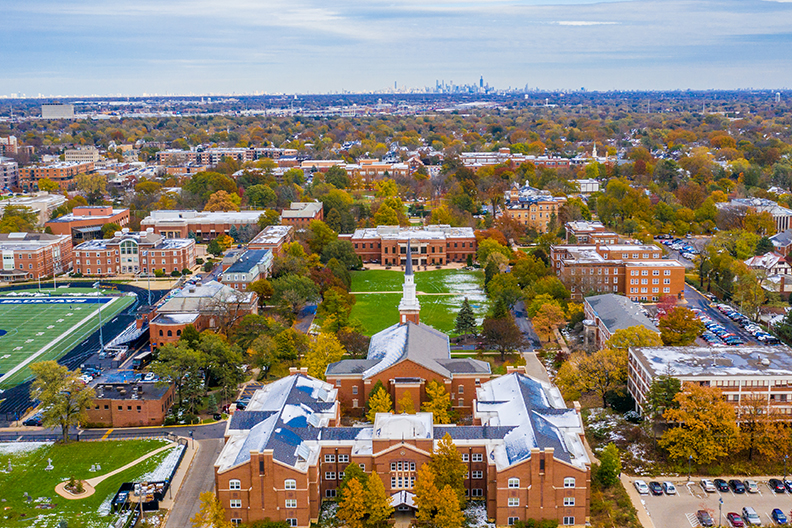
108 47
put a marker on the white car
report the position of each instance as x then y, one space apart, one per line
751 486
149 376
669 488
642 487
708 486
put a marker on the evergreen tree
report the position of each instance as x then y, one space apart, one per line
446 464
784 329
490 270
405 404
378 508
438 403
465 319
380 402
352 509
449 513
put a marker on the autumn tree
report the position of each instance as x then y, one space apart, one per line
18 219
438 402
223 201
426 494
47 185
405 404
705 425
324 350
749 293
379 402
263 289
760 429
602 373
549 318
352 508
634 336
448 468
449 513
92 185
65 399
680 327
377 502
211 513
502 334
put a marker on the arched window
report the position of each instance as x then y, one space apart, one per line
234 484
170 334
514 483
569 482
178 332
161 333
290 484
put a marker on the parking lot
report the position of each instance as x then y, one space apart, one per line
679 511
696 300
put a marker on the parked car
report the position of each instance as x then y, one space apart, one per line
708 486
721 484
776 485
737 486
750 516
655 488
788 485
669 488
778 516
735 520
704 518
751 486
641 486
34 421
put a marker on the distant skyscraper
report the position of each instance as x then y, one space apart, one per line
778 97
481 82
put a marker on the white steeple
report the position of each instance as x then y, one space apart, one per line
594 150
409 307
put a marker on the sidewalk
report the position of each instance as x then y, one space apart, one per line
638 502
181 473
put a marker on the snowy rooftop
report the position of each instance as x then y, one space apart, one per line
28 241
431 232
201 217
204 297
71 217
582 225
403 426
272 235
302 210
618 312
713 362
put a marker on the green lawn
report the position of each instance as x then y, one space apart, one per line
377 311
75 459
28 328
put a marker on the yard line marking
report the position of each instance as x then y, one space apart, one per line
106 434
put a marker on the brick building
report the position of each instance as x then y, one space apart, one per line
746 374
34 255
536 213
609 312
208 306
132 253
637 271
204 225
62 173
273 238
86 222
300 214
213 156
431 245
583 232
82 155
129 404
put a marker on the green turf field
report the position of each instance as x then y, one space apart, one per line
40 332
440 293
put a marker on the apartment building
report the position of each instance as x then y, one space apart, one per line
34 255
86 222
504 156
536 213
609 312
583 232
129 404
9 174
273 238
747 375
300 214
431 245
213 156
63 173
637 271
204 225
248 267
369 170
132 253
82 155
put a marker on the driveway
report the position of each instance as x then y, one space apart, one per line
696 300
525 326
200 478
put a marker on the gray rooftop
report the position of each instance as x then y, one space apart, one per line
249 260
709 362
618 312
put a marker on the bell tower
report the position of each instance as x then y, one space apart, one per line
409 307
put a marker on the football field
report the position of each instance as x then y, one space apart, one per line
34 329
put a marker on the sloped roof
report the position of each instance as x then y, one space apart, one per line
782 239
618 312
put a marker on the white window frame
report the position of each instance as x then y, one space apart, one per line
569 482
291 521
569 521
569 502
343 458
290 503
235 484
514 483
290 484
329 459
514 502
235 504
478 457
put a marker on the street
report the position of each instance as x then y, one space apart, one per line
696 300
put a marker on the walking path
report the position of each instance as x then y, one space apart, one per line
400 292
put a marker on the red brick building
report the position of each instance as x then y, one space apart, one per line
204 225
63 173
300 214
129 404
86 222
34 255
431 245
132 253
273 238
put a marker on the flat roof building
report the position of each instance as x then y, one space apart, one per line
129 404
34 255
63 173
273 238
203 225
300 214
431 245
86 222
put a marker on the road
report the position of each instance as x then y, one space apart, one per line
200 478
39 434
525 326
696 300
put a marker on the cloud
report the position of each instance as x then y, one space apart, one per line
583 23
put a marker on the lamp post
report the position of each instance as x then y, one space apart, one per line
690 460
785 465
720 511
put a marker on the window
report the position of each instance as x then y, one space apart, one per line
291 503
477 492
514 483
666 272
461 389
355 403
236 522
343 458
513 520
235 503
362 467
569 501
330 493
478 474
465 457
569 521
290 484
478 457
329 475
514 502
569 482
234 484
329 458
291 522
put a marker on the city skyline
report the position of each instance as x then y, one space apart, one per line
243 47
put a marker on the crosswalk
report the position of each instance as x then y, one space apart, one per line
692 519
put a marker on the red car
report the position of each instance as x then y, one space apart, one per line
735 520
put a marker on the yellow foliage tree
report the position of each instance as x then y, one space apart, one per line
211 514
602 372
378 508
325 349
379 402
438 402
352 509
405 404
426 495
449 514
634 336
549 317
223 201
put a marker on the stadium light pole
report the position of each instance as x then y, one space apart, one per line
101 336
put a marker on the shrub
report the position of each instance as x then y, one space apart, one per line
199 261
209 266
186 271
159 273
175 273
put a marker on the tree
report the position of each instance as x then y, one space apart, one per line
465 320
488 246
211 514
504 286
706 427
337 176
223 201
784 329
438 402
449 513
47 185
182 365
355 343
262 288
602 373
18 219
405 404
344 252
549 317
223 363
426 495
759 426
610 466
680 327
379 402
261 196
92 186
352 508
748 292
385 215
319 236
661 396
324 350
378 508
352 472
502 334
291 293
268 218
634 336
63 396
448 468
490 271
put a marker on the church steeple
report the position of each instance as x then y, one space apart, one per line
409 307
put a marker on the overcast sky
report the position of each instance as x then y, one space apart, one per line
83 47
